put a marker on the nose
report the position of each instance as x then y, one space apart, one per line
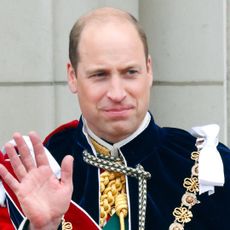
116 91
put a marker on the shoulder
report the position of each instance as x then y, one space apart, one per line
176 136
170 139
173 142
63 129
60 142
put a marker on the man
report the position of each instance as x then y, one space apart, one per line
127 173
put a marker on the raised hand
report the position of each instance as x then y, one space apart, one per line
44 198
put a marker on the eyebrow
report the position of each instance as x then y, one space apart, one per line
95 70
130 66
123 68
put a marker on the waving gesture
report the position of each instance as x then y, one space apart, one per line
43 197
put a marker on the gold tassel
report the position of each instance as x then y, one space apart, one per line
121 207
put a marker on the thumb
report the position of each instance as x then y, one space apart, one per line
67 170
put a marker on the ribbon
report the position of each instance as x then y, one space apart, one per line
211 170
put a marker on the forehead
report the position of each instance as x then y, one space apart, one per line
111 33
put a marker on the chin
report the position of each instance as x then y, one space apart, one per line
122 132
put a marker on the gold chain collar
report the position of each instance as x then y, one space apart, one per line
183 213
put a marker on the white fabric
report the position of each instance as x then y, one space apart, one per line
2 195
53 164
211 171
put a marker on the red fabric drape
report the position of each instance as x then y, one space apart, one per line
5 223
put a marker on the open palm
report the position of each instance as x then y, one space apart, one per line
43 197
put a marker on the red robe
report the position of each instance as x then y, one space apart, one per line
5 222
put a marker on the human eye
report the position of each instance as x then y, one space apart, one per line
132 72
99 74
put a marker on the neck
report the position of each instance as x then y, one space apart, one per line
124 141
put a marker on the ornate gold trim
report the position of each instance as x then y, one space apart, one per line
66 225
183 213
113 197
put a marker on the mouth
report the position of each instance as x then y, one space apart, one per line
118 112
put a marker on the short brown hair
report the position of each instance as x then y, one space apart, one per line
101 14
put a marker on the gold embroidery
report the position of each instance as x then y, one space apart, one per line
66 225
191 184
113 197
182 214
195 155
100 148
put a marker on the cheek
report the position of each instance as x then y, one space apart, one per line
140 90
91 95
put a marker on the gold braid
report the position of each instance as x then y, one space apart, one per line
113 197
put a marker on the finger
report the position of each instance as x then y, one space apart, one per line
8 178
15 161
67 170
39 151
25 155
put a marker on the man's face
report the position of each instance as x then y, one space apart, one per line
113 79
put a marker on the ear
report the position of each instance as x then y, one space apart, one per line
72 78
150 70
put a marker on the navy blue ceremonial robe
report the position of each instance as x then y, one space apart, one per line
165 153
